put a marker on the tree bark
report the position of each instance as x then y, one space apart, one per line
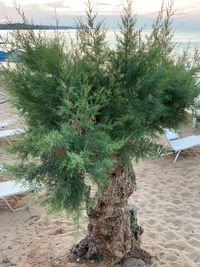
113 232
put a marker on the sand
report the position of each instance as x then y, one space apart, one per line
168 201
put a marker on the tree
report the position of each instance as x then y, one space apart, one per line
89 111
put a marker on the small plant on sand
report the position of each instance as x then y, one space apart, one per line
89 111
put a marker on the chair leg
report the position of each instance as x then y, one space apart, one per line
7 139
177 156
159 152
194 152
11 208
150 141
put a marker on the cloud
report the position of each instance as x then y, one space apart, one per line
102 4
8 13
57 4
188 12
31 7
2 5
43 12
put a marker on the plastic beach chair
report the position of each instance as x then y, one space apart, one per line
181 144
171 134
3 124
8 133
11 188
3 98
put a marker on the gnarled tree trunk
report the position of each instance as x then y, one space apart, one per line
113 232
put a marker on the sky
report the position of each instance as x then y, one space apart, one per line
187 12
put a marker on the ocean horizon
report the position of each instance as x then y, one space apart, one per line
182 39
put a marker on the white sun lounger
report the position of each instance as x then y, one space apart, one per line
11 188
3 124
7 133
171 134
181 144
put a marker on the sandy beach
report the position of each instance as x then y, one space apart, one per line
168 201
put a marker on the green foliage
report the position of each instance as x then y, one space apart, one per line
89 108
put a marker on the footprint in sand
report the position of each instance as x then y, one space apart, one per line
59 223
161 197
195 243
182 212
171 235
176 201
151 222
195 257
172 258
171 210
46 229
152 235
189 229
43 223
178 223
195 215
186 194
195 235
153 200
175 245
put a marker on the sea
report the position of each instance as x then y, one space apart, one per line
182 39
